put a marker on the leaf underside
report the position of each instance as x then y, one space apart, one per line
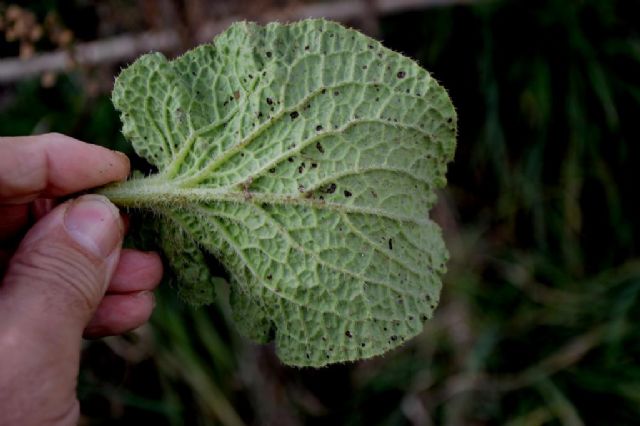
304 157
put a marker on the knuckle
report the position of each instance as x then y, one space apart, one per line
59 269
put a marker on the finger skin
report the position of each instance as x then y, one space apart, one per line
119 313
53 284
54 165
136 271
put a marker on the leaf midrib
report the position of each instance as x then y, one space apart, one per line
155 194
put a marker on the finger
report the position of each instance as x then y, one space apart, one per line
53 285
119 313
16 217
61 270
135 272
54 165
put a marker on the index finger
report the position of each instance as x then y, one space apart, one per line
53 165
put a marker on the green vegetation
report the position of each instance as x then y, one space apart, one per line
538 323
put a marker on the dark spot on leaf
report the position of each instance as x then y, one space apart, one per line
236 94
364 67
336 93
272 170
324 91
394 338
319 147
377 99
324 338
308 356
268 54
270 101
269 276
331 189
318 128
314 165
347 194
348 334
370 46
374 194
250 76
306 47
401 74
301 168
290 159
301 188
294 115
390 244
363 344
424 317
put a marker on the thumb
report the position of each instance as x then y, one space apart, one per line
53 284
62 268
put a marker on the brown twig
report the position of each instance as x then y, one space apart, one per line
128 46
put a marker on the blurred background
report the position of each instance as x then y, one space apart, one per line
539 321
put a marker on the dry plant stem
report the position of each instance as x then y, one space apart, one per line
128 46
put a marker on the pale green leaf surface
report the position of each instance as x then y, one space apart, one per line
305 158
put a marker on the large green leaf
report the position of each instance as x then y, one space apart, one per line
305 158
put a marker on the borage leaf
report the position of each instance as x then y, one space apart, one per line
304 157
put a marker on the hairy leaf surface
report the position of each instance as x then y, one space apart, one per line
304 157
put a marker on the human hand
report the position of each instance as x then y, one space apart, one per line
63 278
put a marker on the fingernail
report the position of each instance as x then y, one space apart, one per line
94 223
